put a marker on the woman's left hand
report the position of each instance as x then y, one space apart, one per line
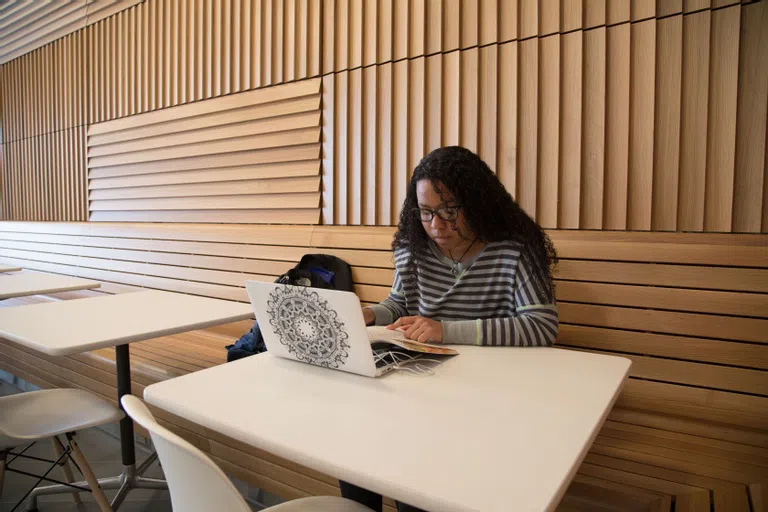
419 328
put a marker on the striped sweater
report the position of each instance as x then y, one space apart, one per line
492 301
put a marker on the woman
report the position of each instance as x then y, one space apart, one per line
471 267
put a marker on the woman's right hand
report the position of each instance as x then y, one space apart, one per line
369 316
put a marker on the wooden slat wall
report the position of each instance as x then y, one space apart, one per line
595 115
688 309
252 157
44 177
29 24
170 52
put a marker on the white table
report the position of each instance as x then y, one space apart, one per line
494 429
8 268
36 283
69 327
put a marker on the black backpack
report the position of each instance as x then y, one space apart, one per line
314 270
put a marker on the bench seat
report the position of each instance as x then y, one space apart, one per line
689 431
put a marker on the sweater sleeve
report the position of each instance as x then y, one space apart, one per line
534 324
393 307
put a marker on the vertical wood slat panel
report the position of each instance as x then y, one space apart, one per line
593 132
721 137
666 152
40 177
527 124
548 133
617 127
694 113
642 76
570 129
750 172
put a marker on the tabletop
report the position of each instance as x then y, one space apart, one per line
9 268
72 326
493 429
34 283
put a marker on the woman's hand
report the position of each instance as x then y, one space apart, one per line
419 328
369 316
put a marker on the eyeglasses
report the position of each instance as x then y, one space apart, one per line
448 213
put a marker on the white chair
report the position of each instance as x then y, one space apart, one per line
36 415
199 485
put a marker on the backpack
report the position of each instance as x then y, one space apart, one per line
314 270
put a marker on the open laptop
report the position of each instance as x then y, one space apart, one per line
322 327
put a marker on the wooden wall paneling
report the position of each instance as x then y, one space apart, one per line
508 20
752 112
593 132
329 139
694 113
234 134
487 108
382 161
548 136
401 129
417 116
468 100
642 9
33 26
595 13
571 80
527 120
572 14
549 18
507 144
353 190
450 110
370 146
642 77
528 18
433 102
666 154
616 125
721 135
433 26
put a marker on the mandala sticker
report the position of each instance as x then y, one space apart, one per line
307 326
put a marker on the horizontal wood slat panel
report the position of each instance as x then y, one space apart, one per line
690 416
663 345
681 276
311 184
701 301
223 174
224 139
689 324
277 216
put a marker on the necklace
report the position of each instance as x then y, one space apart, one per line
455 263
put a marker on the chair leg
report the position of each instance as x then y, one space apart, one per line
3 458
68 476
96 489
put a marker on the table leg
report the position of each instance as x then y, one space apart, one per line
130 478
123 364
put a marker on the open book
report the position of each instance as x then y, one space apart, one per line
380 334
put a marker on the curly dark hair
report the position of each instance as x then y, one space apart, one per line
490 212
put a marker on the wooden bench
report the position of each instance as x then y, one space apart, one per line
689 431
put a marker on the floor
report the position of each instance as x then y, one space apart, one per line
102 451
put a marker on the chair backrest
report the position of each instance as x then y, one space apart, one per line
195 482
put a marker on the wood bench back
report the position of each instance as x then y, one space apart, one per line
690 310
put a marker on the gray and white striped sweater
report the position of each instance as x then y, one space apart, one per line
492 302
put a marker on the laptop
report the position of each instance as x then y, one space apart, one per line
326 328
